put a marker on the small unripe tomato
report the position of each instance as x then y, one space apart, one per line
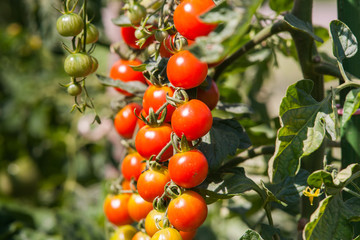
92 33
125 120
138 207
116 209
150 221
74 89
136 13
95 64
125 232
69 24
78 65
161 35
151 183
167 234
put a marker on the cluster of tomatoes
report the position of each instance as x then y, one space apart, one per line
160 175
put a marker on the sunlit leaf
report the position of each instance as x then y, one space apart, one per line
251 235
351 104
345 43
299 24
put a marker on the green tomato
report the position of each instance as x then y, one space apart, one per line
69 24
136 13
92 33
74 89
125 232
95 64
78 65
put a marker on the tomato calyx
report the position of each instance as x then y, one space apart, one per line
180 97
183 145
117 187
172 190
154 119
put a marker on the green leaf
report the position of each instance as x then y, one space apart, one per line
122 21
354 205
281 5
305 122
345 43
268 232
139 68
251 235
224 138
235 108
352 103
329 221
225 39
271 196
299 24
135 87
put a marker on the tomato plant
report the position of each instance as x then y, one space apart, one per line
125 120
151 183
116 209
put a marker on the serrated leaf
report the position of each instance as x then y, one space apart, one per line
281 5
122 21
329 221
251 235
135 87
352 103
225 39
224 138
305 122
344 41
299 24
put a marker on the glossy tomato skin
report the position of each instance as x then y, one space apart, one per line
150 222
125 232
138 207
128 35
125 120
141 236
78 64
132 166
151 183
151 140
116 209
187 18
125 185
188 235
193 119
70 24
188 169
210 95
167 234
185 70
188 211
155 97
122 71
92 33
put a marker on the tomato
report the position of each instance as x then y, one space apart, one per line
141 236
92 33
193 71
125 120
122 71
116 209
69 24
125 232
188 211
126 185
141 123
136 13
151 183
188 169
188 235
167 234
132 166
209 95
95 64
74 89
151 140
187 18
150 221
166 46
193 119
78 65
155 97
128 35
138 208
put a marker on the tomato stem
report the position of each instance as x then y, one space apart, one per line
158 157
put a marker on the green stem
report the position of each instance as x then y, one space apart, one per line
158 157
355 186
343 74
351 192
84 19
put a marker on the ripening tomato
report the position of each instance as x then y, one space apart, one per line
209 95
128 35
116 209
125 232
138 208
188 169
193 119
150 221
151 183
69 24
167 234
141 236
151 140
188 211
187 18
122 71
125 185
188 235
125 120
185 70
132 166
155 97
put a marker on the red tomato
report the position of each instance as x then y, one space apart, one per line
151 140
166 47
128 35
193 119
125 120
140 123
150 221
188 169
187 18
122 71
185 70
188 211
126 185
141 236
132 166
188 235
155 97
167 234
138 208
210 95
151 183
116 209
